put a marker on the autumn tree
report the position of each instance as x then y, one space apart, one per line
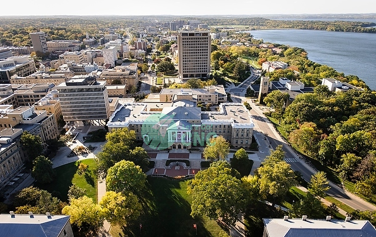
277 99
217 148
119 209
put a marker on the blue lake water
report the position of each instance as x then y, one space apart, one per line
347 52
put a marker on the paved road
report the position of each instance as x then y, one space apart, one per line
297 164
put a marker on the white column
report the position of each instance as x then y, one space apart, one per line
176 137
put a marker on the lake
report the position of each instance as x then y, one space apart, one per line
347 52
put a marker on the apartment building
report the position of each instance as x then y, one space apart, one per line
83 98
39 42
16 65
194 54
209 94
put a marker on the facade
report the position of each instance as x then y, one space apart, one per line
317 228
117 90
83 99
63 45
51 104
110 56
207 95
272 66
194 54
40 78
39 42
28 94
76 57
331 83
35 225
5 53
181 125
140 45
16 65
127 75
11 159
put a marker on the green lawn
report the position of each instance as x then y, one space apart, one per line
67 175
340 204
251 61
167 213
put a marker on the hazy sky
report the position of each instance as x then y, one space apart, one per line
184 7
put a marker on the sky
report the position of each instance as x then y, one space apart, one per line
185 7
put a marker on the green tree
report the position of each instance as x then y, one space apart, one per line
120 209
140 157
306 137
125 177
276 156
31 144
241 163
277 99
322 91
165 66
318 185
145 68
308 205
42 170
84 214
194 83
37 201
217 196
217 148
75 192
349 162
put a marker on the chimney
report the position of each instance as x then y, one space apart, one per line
304 217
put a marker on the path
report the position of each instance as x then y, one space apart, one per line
105 230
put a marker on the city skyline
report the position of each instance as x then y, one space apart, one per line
195 7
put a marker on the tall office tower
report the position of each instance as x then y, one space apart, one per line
84 99
194 54
39 41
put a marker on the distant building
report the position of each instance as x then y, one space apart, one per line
16 65
272 66
332 84
317 228
127 75
35 225
110 56
39 42
117 90
207 95
203 26
63 45
139 44
51 104
194 54
5 53
40 78
83 99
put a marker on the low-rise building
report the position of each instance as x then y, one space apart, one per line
209 94
16 65
274 65
51 104
35 225
40 78
29 94
116 90
126 75
317 228
63 45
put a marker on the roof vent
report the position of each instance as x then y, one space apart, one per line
31 214
285 218
48 214
186 113
348 218
304 217
12 214
328 218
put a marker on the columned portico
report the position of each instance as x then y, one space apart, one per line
179 136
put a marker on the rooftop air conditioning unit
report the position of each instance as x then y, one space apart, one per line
304 217
348 218
285 218
328 218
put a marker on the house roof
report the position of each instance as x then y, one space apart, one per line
36 226
318 228
182 113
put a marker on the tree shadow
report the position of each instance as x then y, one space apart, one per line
89 179
166 212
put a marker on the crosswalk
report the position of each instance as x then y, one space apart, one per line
290 160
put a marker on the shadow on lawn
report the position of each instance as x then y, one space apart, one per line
166 212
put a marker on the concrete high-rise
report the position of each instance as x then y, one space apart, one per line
39 41
194 54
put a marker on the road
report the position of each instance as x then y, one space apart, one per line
263 125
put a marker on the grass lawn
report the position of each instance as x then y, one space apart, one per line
67 175
159 80
252 61
340 204
167 213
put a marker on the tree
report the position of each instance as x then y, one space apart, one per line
277 99
42 170
217 148
165 66
194 83
306 137
308 205
119 209
217 194
140 157
349 161
84 214
318 185
31 144
125 177
322 91
145 68
75 192
276 156
153 67
27 196
241 163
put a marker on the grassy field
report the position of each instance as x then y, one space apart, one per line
252 62
67 175
167 213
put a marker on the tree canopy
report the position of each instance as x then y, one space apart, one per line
42 170
31 144
217 148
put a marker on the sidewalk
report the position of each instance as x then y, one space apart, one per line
105 230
